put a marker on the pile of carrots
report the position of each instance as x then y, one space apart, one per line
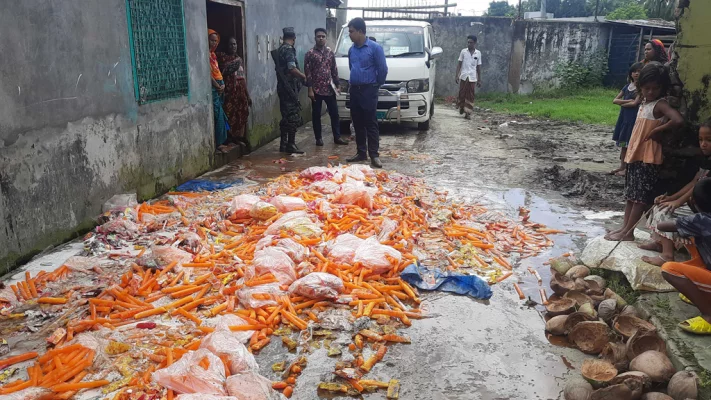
139 297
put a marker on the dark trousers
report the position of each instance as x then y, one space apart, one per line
316 107
364 104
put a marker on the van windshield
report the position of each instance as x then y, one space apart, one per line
403 41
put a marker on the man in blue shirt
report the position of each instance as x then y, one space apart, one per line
366 60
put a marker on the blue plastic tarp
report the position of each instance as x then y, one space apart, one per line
435 279
201 185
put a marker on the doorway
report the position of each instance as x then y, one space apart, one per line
227 18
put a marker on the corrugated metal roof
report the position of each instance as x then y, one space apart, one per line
647 23
333 3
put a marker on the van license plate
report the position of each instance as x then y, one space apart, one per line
381 114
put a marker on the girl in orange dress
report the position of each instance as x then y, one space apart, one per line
644 151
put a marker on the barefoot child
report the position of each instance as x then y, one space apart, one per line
693 278
665 206
644 152
628 99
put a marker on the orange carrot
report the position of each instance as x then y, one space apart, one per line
81 385
519 291
18 358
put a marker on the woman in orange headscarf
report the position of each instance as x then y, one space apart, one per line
218 90
655 51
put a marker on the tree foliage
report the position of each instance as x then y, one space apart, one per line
500 8
628 11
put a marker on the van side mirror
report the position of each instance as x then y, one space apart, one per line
435 52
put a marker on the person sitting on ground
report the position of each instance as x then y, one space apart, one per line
644 153
693 278
629 100
665 207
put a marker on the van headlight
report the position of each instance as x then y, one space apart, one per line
418 86
343 85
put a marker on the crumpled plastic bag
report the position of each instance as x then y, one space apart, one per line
353 171
259 296
120 202
119 226
224 343
160 256
241 205
316 173
435 279
93 340
190 240
187 376
386 229
372 255
356 193
31 393
343 248
262 211
275 261
251 386
288 203
223 323
325 187
201 396
296 251
318 285
295 223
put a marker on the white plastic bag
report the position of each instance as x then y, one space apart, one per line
200 396
120 202
262 211
318 285
119 226
188 376
325 187
386 229
241 205
356 193
295 223
343 248
251 386
288 203
223 323
316 173
259 296
275 261
224 343
372 255
296 251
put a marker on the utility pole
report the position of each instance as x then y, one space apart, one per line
446 7
544 13
519 10
342 15
597 7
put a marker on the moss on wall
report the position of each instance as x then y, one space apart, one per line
694 58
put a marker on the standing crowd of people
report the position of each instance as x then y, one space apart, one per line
676 221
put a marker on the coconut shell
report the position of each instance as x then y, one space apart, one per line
643 379
578 271
561 284
630 310
644 340
588 309
577 389
616 354
579 297
684 385
654 364
607 309
580 285
560 307
590 336
656 396
609 294
627 325
614 392
599 281
561 265
598 372
574 319
556 325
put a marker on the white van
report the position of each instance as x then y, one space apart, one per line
408 93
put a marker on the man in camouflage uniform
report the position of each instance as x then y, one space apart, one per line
289 83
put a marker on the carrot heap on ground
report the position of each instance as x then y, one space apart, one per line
193 259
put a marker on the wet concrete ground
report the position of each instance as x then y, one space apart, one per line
467 349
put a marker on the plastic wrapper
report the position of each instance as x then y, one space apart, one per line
251 386
296 251
318 285
262 211
120 202
93 341
259 296
7 297
295 223
119 226
356 193
241 205
343 248
224 343
386 229
275 261
353 171
160 256
200 396
223 323
187 376
325 187
374 256
190 241
32 393
316 173
288 203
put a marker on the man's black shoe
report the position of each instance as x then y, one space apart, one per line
357 158
340 141
319 142
292 149
375 162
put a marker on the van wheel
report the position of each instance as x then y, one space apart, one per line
345 128
431 108
424 126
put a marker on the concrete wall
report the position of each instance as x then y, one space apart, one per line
694 58
265 20
71 132
517 56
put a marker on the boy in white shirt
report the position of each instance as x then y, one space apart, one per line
468 76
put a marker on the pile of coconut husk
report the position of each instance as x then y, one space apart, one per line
632 363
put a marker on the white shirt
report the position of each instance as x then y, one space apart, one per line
469 64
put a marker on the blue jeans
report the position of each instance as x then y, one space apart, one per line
316 107
364 104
